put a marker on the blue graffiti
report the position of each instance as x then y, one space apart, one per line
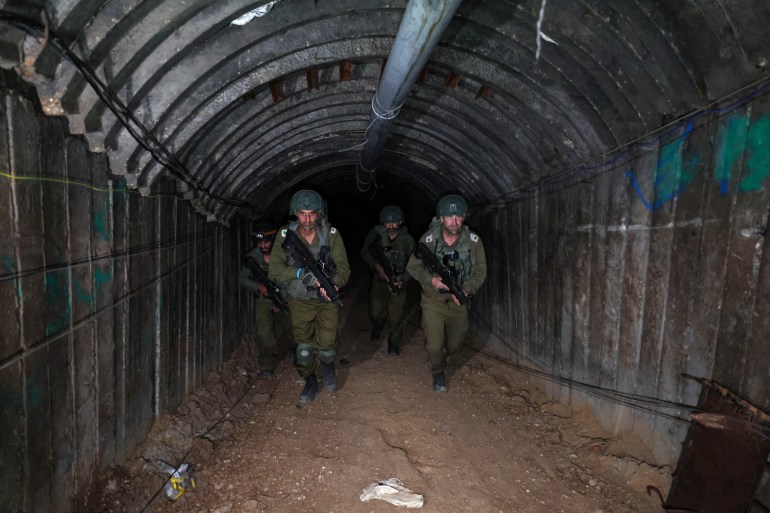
737 138
672 176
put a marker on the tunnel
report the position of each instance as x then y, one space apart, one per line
614 156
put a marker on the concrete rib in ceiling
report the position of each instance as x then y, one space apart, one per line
257 109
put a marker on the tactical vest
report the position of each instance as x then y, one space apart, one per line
321 253
395 256
461 257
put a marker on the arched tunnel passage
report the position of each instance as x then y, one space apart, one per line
618 178
354 212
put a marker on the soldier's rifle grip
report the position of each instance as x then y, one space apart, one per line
379 255
301 254
272 289
424 253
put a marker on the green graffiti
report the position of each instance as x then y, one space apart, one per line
758 148
81 294
100 223
8 263
101 277
55 292
731 147
672 177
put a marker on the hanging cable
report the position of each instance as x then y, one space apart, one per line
653 405
146 139
599 164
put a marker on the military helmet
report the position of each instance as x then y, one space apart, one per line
264 231
391 214
306 200
451 205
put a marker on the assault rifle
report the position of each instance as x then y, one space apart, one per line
447 278
379 255
305 259
272 289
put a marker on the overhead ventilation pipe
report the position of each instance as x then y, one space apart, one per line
421 28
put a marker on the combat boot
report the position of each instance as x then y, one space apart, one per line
309 391
330 376
393 348
439 385
377 330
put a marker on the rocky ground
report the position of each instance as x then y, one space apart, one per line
488 445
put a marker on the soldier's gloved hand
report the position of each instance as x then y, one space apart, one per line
306 277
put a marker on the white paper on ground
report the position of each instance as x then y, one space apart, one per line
392 491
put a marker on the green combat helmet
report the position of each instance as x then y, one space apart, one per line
307 200
451 205
391 214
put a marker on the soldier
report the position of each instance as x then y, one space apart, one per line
314 317
272 314
386 250
460 251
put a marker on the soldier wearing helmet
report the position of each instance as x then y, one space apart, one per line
444 319
314 318
386 250
271 320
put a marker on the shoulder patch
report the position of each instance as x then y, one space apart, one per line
283 233
429 237
474 237
332 230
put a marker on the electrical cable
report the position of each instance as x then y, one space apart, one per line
128 252
589 168
44 342
66 181
203 435
652 405
537 369
136 129
646 403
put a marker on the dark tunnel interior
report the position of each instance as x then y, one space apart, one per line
615 156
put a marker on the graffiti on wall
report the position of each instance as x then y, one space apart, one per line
11 270
57 293
738 141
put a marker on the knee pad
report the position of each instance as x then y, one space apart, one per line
305 354
327 356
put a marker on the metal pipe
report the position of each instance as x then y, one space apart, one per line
421 28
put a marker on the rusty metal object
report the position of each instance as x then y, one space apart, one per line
724 455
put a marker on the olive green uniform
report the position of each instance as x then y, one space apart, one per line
313 320
446 323
384 306
270 324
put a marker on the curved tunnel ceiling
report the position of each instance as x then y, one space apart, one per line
252 111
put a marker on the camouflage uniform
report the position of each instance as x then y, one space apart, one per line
269 323
313 319
444 322
384 305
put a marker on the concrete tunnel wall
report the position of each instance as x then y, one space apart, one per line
113 308
629 272
622 275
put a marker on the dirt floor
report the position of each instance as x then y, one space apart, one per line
485 446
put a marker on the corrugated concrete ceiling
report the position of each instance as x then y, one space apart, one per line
249 112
